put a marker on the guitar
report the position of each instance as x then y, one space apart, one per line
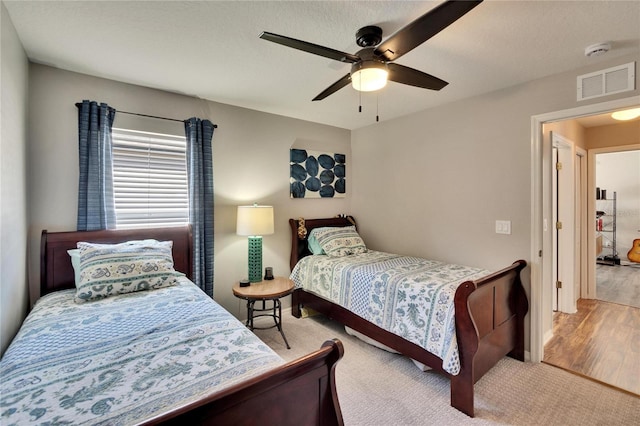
634 253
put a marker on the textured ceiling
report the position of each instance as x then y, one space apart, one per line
211 49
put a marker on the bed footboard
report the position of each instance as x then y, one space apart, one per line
489 325
300 392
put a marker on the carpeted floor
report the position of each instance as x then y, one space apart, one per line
379 388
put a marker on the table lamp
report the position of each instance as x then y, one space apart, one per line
254 222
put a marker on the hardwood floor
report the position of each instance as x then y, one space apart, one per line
618 284
601 341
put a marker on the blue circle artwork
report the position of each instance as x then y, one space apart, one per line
326 161
327 177
327 191
317 175
313 184
298 173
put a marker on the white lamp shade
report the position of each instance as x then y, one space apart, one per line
369 79
255 220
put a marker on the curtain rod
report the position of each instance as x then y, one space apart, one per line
215 126
150 116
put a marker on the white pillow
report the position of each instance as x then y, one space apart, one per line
75 262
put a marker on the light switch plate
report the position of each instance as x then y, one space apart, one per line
503 227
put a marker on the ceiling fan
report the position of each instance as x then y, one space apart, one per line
372 66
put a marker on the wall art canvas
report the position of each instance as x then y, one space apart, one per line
317 174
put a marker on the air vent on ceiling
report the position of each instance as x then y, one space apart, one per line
607 82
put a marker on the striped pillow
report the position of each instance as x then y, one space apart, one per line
110 269
339 241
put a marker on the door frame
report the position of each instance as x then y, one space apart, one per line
540 264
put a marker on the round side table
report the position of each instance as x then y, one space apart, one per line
266 290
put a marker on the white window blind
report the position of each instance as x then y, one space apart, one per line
149 179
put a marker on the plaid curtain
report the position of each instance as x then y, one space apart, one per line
200 175
96 208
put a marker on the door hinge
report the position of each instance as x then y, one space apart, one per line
539 253
558 166
558 284
558 225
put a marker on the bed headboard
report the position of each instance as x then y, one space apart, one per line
300 229
56 272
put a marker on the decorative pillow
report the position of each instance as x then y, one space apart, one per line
314 245
110 269
75 257
339 241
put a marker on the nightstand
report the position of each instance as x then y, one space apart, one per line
266 290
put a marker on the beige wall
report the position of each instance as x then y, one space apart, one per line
13 182
250 156
434 183
607 136
619 134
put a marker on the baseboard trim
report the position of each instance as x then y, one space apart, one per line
547 336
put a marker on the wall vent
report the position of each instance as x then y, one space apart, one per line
607 82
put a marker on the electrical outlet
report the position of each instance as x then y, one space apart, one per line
503 227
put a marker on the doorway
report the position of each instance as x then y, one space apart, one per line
541 233
618 209
593 340
584 267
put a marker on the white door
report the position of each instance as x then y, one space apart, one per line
581 288
564 222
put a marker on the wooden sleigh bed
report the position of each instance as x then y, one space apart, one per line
489 318
294 393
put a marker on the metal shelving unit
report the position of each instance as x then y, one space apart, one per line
606 227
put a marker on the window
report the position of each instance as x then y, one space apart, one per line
149 179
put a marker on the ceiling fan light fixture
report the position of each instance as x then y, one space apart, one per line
627 114
369 76
371 65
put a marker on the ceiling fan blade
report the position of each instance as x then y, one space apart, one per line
310 47
423 28
413 77
344 81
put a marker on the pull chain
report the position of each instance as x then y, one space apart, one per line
360 96
377 103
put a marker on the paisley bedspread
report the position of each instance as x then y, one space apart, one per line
125 358
408 296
